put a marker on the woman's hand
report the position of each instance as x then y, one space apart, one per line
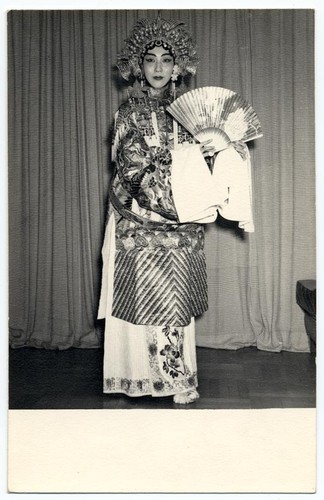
207 149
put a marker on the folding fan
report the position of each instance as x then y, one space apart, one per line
218 114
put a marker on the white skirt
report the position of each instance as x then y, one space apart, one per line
142 360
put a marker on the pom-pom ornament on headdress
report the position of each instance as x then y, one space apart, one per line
217 114
147 33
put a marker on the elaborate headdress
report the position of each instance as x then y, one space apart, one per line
158 32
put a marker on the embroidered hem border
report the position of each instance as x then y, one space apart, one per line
138 387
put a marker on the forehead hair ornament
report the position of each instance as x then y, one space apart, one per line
146 34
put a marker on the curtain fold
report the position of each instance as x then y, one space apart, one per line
63 92
283 58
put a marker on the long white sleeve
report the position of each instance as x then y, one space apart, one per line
198 194
232 170
193 192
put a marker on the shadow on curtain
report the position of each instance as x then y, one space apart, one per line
63 92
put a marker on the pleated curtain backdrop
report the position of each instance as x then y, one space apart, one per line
63 92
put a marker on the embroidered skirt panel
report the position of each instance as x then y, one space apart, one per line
160 274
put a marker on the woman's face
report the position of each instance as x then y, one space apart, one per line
158 65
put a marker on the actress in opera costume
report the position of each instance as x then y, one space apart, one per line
154 271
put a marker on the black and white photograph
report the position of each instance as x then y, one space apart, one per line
162 212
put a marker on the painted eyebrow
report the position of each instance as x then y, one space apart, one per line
151 54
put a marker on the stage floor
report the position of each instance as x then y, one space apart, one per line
246 378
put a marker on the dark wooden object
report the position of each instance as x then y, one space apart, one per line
306 299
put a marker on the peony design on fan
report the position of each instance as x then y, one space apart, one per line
218 114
